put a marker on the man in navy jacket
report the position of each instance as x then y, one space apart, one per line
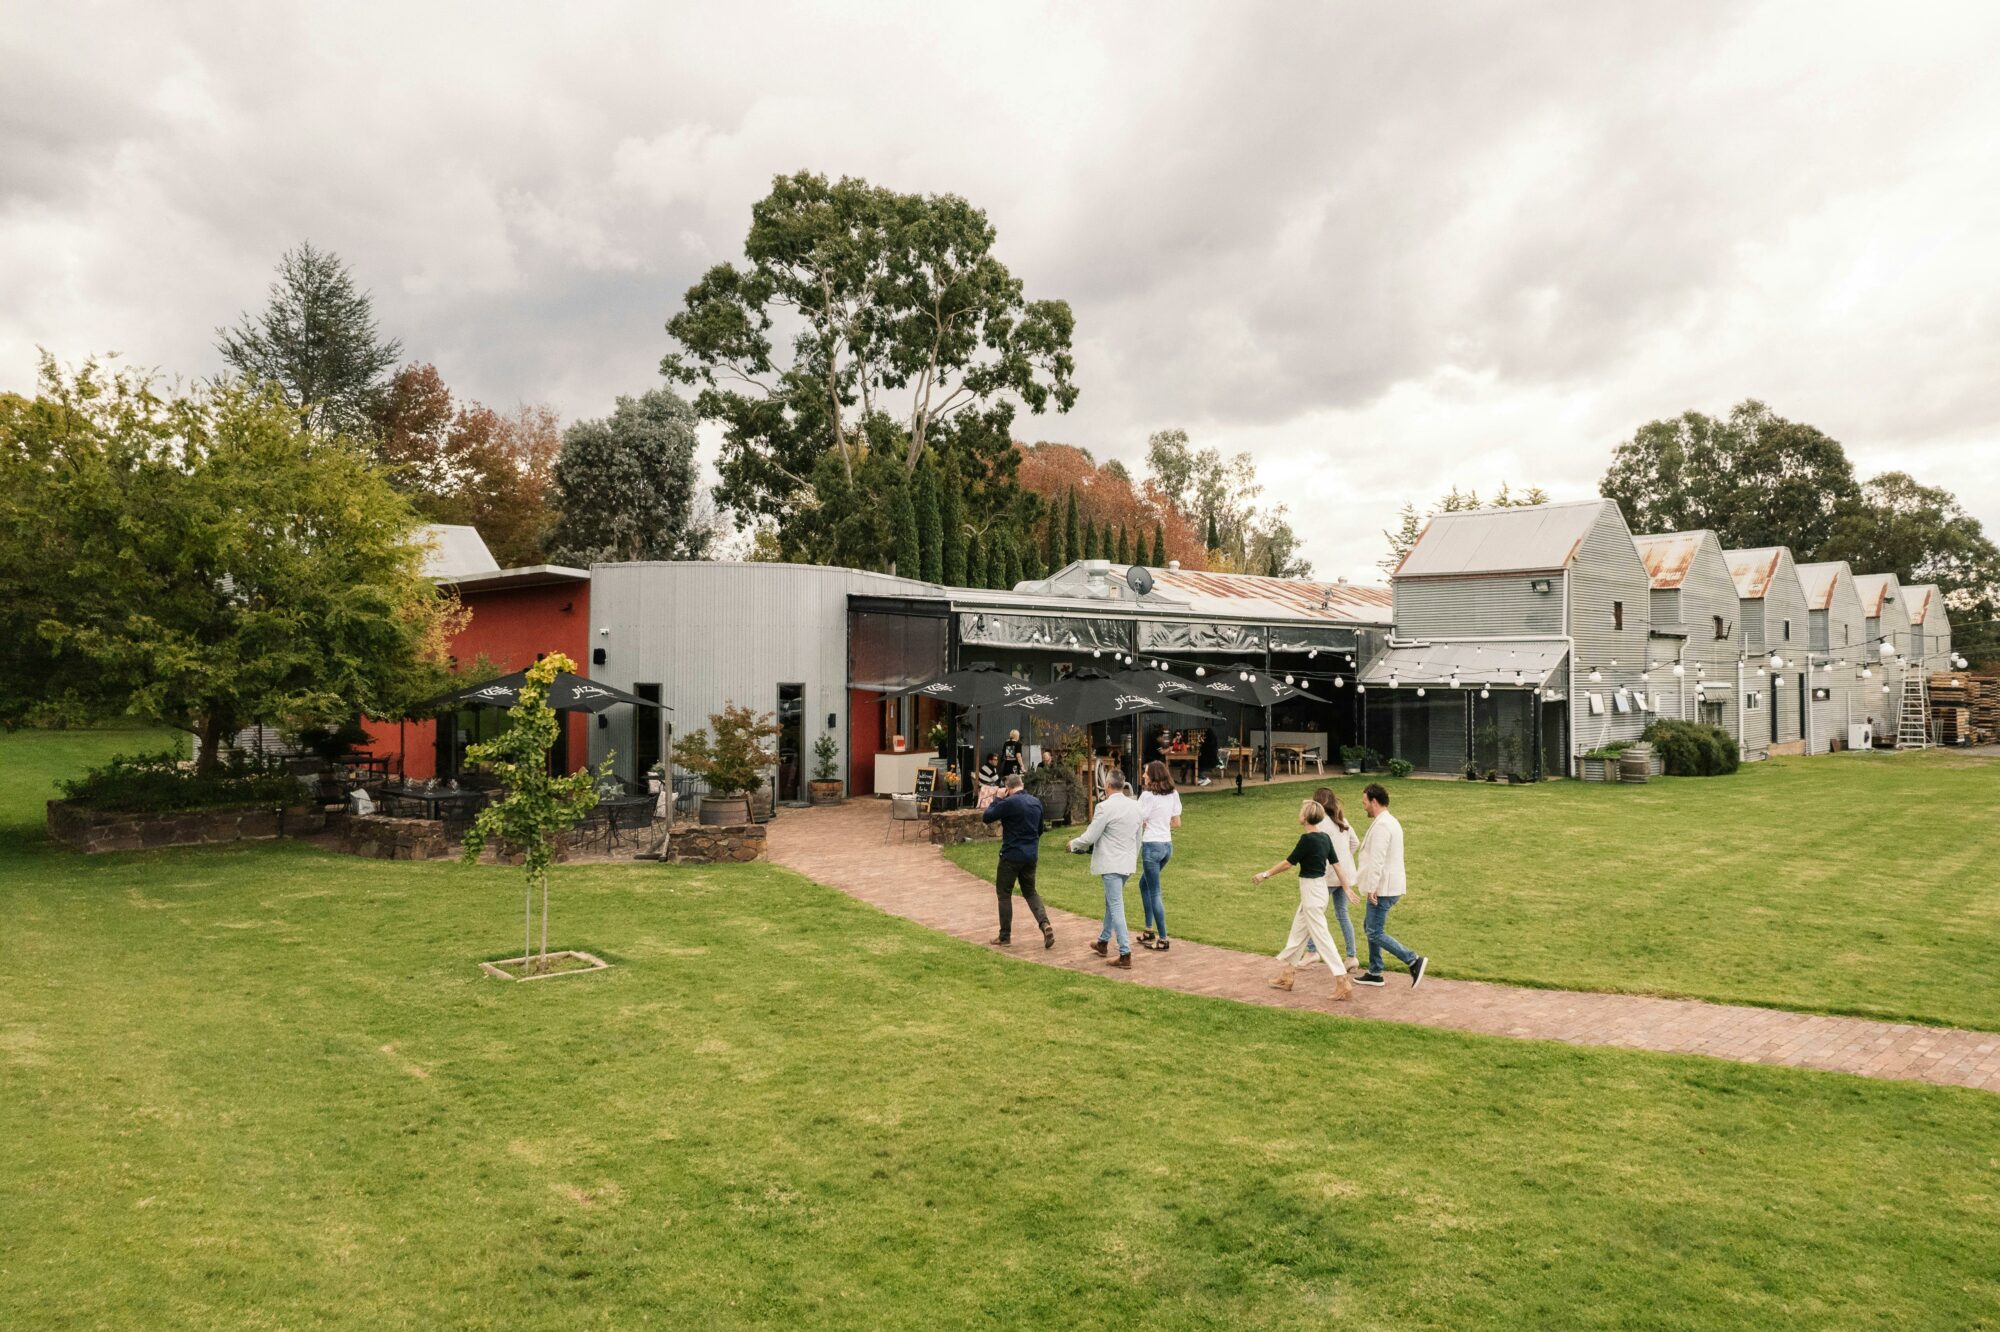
1020 818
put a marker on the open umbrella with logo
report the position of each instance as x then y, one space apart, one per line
979 685
1252 686
1092 696
567 693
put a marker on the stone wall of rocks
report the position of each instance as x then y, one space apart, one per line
694 844
379 837
949 827
94 830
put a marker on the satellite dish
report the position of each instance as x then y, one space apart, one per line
1138 580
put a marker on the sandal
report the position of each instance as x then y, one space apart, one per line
1147 936
1157 945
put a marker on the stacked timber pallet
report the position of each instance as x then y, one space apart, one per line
1965 709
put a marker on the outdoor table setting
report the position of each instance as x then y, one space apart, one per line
625 813
434 800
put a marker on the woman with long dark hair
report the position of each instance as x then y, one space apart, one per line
1160 805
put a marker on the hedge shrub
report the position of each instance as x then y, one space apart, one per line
150 783
1693 749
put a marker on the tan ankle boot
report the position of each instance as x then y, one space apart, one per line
1284 979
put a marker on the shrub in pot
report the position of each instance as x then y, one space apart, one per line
1355 758
732 761
825 788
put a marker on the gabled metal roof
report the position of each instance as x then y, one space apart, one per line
1917 598
1820 581
456 550
1754 570
1289 598
1876 592
1668 556
1532 539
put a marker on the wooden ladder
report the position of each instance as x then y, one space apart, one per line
1913 723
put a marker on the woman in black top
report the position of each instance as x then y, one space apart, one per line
1311 854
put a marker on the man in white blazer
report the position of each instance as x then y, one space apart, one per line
1383 884
1113 842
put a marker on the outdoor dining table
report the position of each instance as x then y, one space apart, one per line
433 802
624 814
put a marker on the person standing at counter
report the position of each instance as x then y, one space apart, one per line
1010 754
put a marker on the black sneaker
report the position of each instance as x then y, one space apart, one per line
1417 971
1370 978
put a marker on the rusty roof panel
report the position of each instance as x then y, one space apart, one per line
1876 592
1917 600
1753 570
1819 582
1668 556
1239 594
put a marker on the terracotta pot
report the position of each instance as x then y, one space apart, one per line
825 793
725 811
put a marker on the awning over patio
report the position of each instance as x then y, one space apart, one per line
1526 663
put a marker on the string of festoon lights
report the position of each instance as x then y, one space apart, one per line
1423 676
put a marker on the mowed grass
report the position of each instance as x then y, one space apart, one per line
1850 883
267 1087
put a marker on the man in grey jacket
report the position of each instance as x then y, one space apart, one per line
1113 842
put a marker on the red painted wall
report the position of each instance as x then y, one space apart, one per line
511 626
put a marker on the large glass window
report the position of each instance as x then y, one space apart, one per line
892 651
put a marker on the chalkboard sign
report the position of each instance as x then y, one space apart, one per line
926 787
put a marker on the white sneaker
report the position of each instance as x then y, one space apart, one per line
1202 782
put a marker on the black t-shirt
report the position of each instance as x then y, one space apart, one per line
1010 757
1311 855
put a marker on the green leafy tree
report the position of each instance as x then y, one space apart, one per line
1410 523
535 806
903 515
315 343
1214 538
1923 535
625 485
203 561
1241 534
951 516
894 309
1753 477
930 526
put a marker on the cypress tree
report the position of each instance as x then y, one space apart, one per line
930 525
1145 552
996 559
975 561
1214 533
903 521
1051 539
1124 545
1013 560
1159 545
1090 538
951 517
1072 534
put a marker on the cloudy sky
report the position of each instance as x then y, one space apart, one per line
1384 251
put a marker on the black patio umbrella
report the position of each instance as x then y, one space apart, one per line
1158 684
567 693
979 685
1092 696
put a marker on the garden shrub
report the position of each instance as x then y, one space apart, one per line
1692 749
1401 767
156 783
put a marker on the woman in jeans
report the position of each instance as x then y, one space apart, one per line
1342 872
1160 805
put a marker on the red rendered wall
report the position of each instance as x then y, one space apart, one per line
511 626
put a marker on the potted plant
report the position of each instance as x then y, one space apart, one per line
1492 774
1471 771
732 761
825 788
1354 758
938 737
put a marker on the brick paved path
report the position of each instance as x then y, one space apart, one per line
842 846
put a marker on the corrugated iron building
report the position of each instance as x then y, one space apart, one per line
1540 614
1838 642
1696 626
1775 629
1930 628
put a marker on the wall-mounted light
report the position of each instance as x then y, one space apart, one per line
1540 585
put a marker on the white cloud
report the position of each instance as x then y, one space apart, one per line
1384 249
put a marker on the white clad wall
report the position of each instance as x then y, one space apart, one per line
712 634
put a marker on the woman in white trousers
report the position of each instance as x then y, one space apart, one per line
1312 856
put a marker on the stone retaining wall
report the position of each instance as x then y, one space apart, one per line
94 830
379 837
949 827
696 844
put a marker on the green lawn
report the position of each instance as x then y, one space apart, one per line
267 1087
1863 883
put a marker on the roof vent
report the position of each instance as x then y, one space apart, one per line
1174 566
1097 579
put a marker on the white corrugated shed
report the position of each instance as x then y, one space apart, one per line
1525 662
1529 539
456 550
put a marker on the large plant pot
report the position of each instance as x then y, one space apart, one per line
825 793
1055 803
728 811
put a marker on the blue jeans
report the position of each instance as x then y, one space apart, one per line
1152 857
1379 937
1337 908
1114 912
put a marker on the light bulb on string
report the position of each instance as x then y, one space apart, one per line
1483 692
1679 670
1200 671
1339 682
1289 680
1420 691
1596 675
1454 679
